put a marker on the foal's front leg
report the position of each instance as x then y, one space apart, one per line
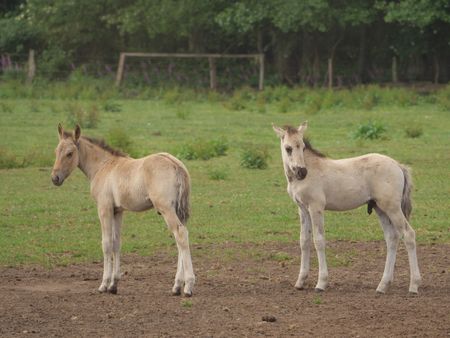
305 246
112 288
316 214
106 215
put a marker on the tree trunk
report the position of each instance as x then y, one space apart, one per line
436 68
316 64
394 70
362 55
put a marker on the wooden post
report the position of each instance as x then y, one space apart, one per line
31 67
212 74
261 72
394 70
120 69
330 73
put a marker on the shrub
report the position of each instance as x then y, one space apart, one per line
75 114
331 99
8 160
111 106
5 107
313 103
203 150
443 98
261 104
85 118
118 138
371 131
236 102
218 174
182 112
254 158
38 156
414 131
284 105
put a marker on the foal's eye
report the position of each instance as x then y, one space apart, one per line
69 155
289 150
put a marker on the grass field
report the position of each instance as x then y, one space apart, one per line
44 224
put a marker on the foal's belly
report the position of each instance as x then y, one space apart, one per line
345 205
138 206
347 197
133 200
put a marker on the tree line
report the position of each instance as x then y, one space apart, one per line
363 39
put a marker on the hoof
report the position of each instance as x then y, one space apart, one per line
102 289
319 290
299 287
188 294
113 290
381 292
176 291
414 289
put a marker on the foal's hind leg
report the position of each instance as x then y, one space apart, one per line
305 247
181 235
391 236
409 238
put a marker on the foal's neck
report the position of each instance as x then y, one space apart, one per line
92 158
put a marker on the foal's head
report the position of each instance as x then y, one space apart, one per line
66 154
292 148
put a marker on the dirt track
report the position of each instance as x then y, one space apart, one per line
231 296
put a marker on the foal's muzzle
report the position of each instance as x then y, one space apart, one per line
300 172
57 180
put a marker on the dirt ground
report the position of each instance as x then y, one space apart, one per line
232 295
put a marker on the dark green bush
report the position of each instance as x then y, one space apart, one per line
254 158
370 131
203 150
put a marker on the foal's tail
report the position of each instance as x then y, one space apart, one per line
182 205
407 188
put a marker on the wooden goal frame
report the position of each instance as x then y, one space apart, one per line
211 59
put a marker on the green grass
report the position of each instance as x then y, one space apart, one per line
49 225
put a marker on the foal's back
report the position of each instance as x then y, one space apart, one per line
137 184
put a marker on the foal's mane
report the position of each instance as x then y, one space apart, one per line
100 143
292 131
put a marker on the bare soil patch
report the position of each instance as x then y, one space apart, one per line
241 291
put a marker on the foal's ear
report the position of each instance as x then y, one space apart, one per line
76 133
279 131
302 128
60 131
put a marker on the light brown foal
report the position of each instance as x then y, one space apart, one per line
119 183
317 183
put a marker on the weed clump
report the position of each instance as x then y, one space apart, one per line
413 131
8 160
118 138
203 150
443 98
218 174
254 158
370 131
85 118
112 107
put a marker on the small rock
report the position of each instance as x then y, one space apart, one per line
226 309
269 319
